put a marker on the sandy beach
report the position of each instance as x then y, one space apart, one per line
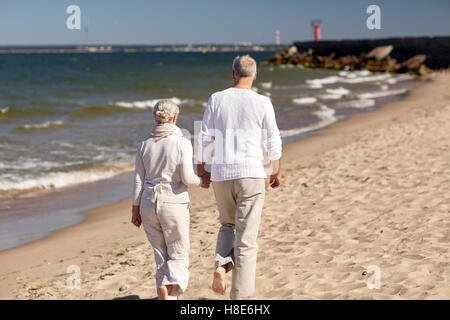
369 191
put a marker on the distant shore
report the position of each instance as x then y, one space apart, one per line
239 47
370 190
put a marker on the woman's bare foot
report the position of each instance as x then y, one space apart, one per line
163 293
219 284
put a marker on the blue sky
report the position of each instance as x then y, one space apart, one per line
41 22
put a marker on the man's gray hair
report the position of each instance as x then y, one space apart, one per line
244 66
165 110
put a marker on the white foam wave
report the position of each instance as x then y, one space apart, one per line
266 85
353 74
334 94
315 85
399 78
330 96
326 117
322 81
348 77
46 124
56 180
146 104
305 100
4 110
379 77
338 91
29 164
360 104
384 93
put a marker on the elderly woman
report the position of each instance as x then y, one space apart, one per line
163 170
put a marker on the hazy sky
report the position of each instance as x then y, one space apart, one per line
40 22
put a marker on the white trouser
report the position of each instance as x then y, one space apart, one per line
167 228
240 204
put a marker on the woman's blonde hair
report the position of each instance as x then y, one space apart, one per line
165 110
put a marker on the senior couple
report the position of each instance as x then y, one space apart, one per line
238 127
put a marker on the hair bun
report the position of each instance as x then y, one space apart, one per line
165 110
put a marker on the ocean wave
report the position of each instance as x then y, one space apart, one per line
334 94
146 104
93 111
354 74
266 85
59 179
43 125
348 77
360 103
379 94
286 66
305 100
315 85
338 91
326 117
399 78
12 112
329 96
321 81
28 164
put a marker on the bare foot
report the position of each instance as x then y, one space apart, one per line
218 284
163 293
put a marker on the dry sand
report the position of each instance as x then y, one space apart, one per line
372 190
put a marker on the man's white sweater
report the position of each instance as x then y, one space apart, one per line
238 127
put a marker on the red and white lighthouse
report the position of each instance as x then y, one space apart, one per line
316 24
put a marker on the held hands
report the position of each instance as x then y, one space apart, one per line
204 175
206 179
136 216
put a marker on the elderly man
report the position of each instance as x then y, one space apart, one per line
238 127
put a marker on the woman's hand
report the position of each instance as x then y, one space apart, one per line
136 216
206 180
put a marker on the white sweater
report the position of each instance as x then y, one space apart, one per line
238 127
164 166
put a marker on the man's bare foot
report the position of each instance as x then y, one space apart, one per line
163 293
218 284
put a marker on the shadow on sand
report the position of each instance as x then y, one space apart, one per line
134 297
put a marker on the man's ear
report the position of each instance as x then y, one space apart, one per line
254 77
233 75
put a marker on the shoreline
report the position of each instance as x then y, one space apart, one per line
106 234
63 207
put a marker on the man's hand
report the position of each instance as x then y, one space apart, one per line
275 177
275 180
136 216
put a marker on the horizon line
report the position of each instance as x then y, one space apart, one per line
241 43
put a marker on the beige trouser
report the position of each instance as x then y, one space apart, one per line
167 228
240 204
